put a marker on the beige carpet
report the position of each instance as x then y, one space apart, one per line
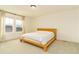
16 47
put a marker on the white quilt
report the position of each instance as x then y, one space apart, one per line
41 36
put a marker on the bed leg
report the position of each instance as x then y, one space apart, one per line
20 40
45 48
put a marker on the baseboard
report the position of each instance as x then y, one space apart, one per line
69 41
7 40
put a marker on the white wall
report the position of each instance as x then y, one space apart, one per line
66 22
28 24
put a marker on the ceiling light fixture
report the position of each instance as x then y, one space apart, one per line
33 6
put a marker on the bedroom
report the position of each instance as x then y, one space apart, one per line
28 18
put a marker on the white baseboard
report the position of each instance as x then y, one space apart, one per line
70 40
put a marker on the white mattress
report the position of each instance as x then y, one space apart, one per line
40 36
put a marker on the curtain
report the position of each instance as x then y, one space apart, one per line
6 36
2 14
14 34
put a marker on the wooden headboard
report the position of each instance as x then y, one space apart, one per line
48 29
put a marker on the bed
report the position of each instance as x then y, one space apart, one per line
42 38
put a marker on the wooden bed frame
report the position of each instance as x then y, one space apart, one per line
38 44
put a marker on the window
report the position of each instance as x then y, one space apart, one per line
13 24
18 25
8 24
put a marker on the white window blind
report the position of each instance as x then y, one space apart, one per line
9 24
19 25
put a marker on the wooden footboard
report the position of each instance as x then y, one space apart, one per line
32 42
45 47
38 44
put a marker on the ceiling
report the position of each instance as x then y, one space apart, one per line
40 10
